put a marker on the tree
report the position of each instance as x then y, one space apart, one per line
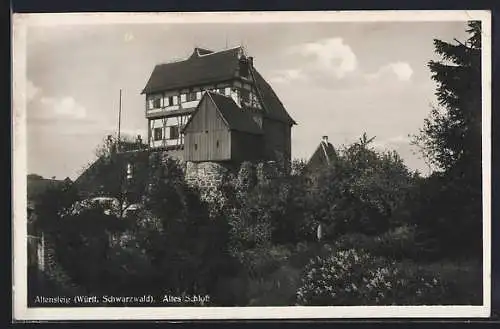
361 190
450 140
451 136
186 247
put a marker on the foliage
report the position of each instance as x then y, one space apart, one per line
270 211
451 199
52 202
186 247
350 277
451 136
361 190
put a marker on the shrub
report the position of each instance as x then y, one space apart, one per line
350 277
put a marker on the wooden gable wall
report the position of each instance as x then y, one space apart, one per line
207 137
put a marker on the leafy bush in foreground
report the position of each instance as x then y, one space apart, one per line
350 277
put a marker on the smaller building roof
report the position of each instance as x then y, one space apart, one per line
324 155
37 186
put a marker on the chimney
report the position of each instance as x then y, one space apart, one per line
325 139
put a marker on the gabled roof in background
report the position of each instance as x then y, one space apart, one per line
203 66
235 117
37 185
105 173
324 155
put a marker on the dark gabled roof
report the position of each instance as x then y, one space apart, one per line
37 185
273 106
324 155
203 66
104 175
235 117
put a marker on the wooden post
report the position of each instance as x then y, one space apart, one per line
119 118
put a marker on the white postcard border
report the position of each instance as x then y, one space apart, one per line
19 228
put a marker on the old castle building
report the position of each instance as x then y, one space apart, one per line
215 109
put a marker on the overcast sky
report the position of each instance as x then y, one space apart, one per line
335 79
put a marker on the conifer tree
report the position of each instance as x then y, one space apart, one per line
451 136
451 140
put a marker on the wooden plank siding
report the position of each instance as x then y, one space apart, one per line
207 137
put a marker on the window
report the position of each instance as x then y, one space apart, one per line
191 97
174 132
195 147
169 101
157 103
217 144
222 91
157 134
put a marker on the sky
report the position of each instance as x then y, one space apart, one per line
339 79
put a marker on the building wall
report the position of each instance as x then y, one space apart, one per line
277 139
246 147
179 98
165 125
207 136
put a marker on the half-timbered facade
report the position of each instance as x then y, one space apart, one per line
173 94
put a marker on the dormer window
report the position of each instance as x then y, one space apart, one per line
221 91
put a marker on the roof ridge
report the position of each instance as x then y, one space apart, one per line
221 95
217 106
219 51
324 150
184 59
197 49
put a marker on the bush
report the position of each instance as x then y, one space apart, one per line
350 277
